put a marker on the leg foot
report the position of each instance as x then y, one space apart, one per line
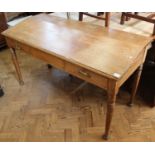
21 83
105 137
130 104
49 66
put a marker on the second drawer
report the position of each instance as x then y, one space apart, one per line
86 75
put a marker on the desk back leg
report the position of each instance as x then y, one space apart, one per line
135 84
80 16
16 64
107 19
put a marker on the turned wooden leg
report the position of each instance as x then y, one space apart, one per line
80 16
16 64
122 18
107 19
137 76
112 92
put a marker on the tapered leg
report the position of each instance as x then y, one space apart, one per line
135 84
107 19
80 16
112 92
16 64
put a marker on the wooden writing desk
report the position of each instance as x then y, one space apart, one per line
101 56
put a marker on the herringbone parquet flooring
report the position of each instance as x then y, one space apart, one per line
44 110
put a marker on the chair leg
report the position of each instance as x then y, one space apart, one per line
107 19
100 13
127 18
80 16
122 18
1 92
68 15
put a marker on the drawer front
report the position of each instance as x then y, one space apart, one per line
48 58
51 59
86 75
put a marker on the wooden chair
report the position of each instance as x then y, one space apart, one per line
127 15
98 16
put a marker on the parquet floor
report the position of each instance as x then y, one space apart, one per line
44 110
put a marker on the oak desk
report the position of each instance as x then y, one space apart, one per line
101 56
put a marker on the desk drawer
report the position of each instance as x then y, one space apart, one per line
48 58
37 53
86 75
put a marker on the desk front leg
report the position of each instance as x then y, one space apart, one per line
16 64
112 92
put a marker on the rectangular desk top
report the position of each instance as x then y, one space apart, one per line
106 51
